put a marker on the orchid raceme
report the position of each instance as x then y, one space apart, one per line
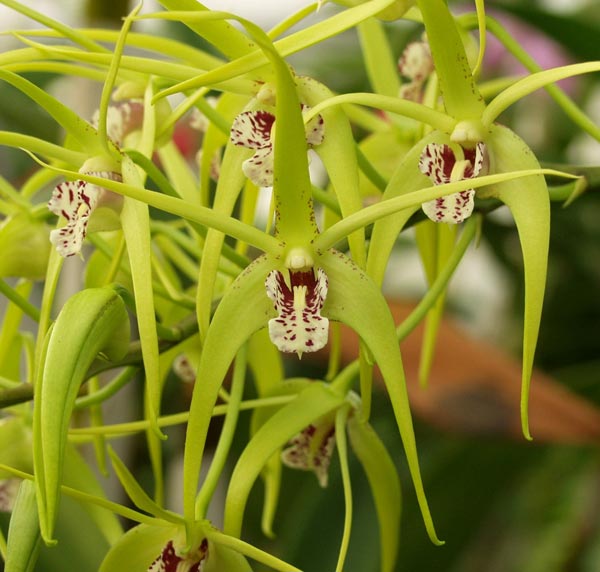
190 193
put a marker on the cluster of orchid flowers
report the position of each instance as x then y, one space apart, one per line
286 297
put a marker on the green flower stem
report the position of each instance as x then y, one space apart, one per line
248 550
59 68
561 98
432 117
38 181
283 26
35 145
327 199
188 267
461 97
530 84
291 44
441 282
341 418
229 41
113 507
481 25
118 430
101 245
162 46
380 62
237 261
61 29
16 298
370 171
111 77
227 433
332 235
8 191
181 208
107 391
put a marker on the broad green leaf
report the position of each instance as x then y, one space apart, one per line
244 309
385 486
529 204
24 539
356 300
314 402
91 322
461 96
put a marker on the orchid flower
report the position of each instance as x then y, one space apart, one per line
416 64
253 130
296 287
311 450
75 201
442 164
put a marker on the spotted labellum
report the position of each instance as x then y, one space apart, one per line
311 450
75 201
416 64
254 130
170 561
443 164
299 326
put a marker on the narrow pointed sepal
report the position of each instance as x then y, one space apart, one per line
529 204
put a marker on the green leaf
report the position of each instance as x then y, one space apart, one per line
312 403
530 206
24 539
355 300
91 322
385 486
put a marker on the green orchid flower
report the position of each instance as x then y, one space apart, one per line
305 285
